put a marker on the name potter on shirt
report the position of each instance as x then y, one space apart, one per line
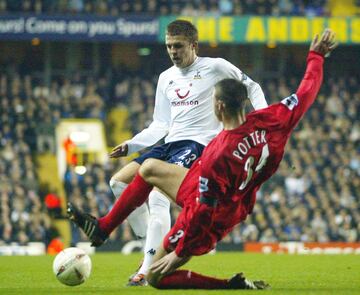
254 138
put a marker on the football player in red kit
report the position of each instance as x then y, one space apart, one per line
219 190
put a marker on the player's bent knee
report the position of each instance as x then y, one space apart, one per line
127 173
112 182
149 168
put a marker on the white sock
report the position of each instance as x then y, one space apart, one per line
159 226
138 219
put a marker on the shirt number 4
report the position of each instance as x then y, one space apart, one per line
250 163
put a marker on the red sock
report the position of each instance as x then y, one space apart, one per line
186 279
135 194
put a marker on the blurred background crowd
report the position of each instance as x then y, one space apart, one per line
313 197
162 7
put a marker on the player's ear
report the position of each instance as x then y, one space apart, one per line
221 106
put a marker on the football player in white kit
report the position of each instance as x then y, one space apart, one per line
184 115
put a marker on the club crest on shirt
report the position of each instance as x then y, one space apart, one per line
197 75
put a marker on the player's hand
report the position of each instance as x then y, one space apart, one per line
326 44
120 150
166 264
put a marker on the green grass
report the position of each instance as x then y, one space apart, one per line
287 274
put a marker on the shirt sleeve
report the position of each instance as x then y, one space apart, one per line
197 239
292 108
158 128
255 93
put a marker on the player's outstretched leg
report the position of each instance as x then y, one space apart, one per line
185 279
88 224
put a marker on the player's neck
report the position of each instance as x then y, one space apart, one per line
190 62
230 123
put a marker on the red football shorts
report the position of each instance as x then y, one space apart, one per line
177 232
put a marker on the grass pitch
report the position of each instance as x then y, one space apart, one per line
287 274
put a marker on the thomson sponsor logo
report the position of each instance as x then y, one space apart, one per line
184 103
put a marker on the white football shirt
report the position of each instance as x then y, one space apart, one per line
184 106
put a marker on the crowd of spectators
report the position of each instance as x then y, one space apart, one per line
313 197
29 112
162 7
22 216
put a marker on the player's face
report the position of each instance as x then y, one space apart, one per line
181 51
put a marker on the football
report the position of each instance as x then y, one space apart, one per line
72 266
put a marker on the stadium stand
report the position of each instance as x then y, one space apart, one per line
160 7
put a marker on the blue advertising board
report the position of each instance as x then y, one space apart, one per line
79 28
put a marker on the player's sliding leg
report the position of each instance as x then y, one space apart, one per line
134 196
152 172
138 219
167 177
186 279
158 227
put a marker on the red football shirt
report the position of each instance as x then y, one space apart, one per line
221 186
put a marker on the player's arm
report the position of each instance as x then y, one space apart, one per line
158 128
255 93
309 87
